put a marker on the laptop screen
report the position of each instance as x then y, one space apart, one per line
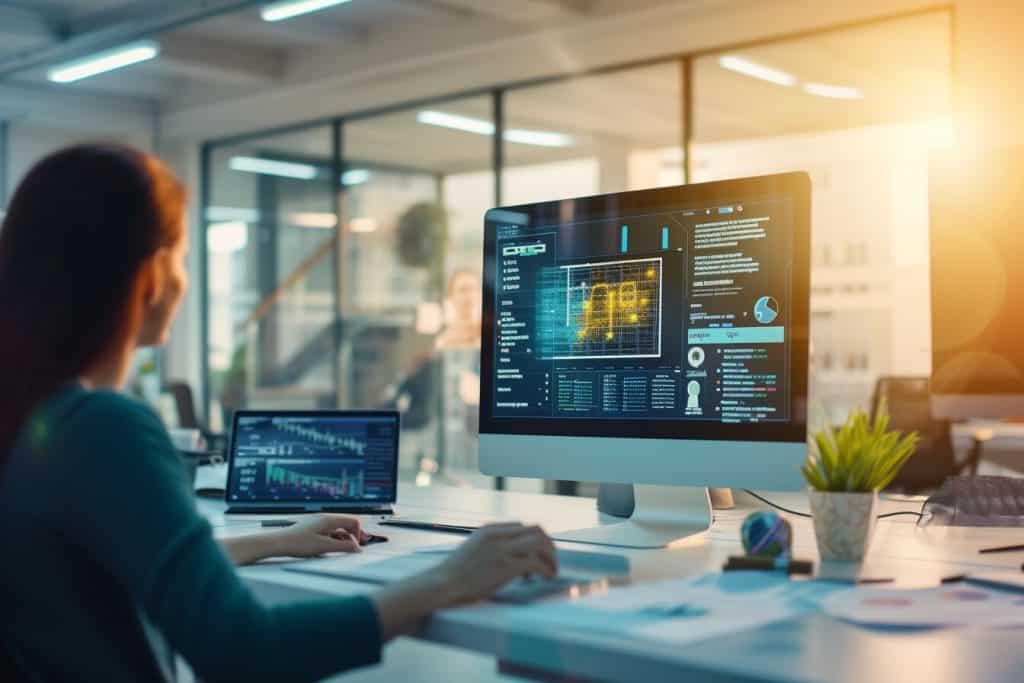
313 457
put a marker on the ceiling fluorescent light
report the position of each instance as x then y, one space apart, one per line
320 220
362 225
284 169
538 138
101 62
221 214
227 238
839 92
456 122
482 127
355 176
755 70
279 11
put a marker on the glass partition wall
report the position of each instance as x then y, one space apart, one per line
860 109
342 260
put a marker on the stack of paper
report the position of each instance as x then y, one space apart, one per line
683 611
958 604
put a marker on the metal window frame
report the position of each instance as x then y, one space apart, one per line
4 162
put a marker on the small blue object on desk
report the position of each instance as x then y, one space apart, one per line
766 534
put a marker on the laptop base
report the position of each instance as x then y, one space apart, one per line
299 510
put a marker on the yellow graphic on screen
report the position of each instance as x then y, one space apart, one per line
614 308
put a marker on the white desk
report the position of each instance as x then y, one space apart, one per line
813 648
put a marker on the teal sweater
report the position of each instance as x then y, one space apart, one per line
106 560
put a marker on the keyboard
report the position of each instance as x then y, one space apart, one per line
529 589
977 501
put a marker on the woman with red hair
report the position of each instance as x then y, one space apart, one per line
108 568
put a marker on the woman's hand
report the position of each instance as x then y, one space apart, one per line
320 534
490 558
309 537
495 555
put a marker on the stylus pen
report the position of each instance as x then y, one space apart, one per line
428 526
1002 549
277 522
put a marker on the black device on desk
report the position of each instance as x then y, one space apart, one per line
282 462
425 525
908 402
977 501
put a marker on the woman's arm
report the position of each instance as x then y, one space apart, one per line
135 515
474 571
311 537
149 537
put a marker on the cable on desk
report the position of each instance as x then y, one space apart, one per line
777 507
919 515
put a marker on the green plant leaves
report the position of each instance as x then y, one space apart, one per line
861 455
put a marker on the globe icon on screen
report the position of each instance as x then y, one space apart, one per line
766 310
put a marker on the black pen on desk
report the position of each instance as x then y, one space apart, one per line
1002 549
267 523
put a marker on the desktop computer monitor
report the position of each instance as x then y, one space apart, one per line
657 337
976 214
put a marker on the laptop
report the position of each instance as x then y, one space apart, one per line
287 461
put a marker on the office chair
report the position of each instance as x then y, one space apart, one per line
909 403
187 418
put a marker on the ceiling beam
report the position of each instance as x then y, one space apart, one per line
21 28
220 62
171 16
521 11
251 29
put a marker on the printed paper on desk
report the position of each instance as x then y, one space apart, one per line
959 604
684 611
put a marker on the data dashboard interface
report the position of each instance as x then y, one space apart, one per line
315 458
676 314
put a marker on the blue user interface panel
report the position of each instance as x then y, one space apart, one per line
681 314
317 458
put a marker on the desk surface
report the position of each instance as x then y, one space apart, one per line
813 648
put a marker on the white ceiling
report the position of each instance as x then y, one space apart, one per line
235 53
902 68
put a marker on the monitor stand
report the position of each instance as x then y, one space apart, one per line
662 515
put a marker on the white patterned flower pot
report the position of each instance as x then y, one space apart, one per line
843 524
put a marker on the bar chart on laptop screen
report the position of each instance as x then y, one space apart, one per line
313 458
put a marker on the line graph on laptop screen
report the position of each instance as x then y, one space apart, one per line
293 458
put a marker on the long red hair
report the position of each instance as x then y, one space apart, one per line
77 231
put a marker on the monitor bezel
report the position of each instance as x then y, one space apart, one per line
348 414
795 185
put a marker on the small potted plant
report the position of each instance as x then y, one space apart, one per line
846 467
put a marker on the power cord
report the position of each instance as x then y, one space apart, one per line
776 506
809 516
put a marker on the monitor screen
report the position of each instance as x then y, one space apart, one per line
313 457
665 313
977 282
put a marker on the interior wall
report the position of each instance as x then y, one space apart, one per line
988 61
181 360
30 142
